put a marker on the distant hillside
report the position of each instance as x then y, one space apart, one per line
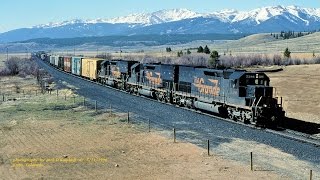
267 43
135 40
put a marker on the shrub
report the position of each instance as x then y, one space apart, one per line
17 66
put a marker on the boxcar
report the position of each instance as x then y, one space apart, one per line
76 65
90 67
61 63
52 59
67 64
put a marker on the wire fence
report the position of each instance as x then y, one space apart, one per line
178 134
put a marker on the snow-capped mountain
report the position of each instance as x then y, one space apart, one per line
292 13
179 21
157 17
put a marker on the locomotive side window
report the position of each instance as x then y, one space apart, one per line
208 73
150 67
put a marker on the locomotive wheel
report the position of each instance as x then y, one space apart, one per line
179 101
159 96
166 98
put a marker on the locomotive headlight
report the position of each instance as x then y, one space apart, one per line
264 105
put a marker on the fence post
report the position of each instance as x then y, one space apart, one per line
74 99
128 118
251 161
310 174
95 105
36 92
174 135
149 125
3 97
65 97
208 147
57 92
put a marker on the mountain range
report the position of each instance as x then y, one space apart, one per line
178 21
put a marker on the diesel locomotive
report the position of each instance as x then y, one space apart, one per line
235 94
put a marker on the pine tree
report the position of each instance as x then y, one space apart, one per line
168 49
214 59
287 53
206 50
200 49
313 54
188 51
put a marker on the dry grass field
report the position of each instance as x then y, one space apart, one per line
45 137
299 86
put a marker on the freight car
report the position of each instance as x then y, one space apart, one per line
90 68
76 65
235 94
67 64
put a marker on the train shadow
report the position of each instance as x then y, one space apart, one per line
301 126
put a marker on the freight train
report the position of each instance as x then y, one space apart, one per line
235 94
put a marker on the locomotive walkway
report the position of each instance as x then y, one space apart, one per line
196 127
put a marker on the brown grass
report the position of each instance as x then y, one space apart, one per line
299 86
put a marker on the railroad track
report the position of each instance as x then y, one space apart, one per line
286 133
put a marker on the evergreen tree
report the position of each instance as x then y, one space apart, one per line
180 53
206 50
313 54
188 51
200 49
168 49
287 53
214 59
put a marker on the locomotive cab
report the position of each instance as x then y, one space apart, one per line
259 96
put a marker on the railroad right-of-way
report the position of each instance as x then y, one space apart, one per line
274 152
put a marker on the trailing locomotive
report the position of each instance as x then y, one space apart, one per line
235 94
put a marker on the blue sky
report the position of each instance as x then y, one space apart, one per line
25 13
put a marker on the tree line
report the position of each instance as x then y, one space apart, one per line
291 34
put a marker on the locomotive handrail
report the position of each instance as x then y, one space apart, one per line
254 100
256 106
